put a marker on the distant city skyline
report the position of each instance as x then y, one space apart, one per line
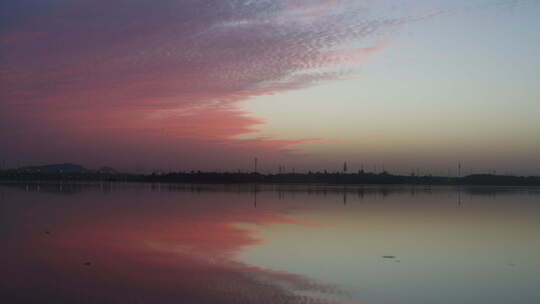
231 85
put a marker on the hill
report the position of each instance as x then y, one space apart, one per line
55 168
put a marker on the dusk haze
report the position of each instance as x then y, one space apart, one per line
169 85
270 151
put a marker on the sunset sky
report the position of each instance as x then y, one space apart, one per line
144 85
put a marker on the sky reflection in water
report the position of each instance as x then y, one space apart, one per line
265 244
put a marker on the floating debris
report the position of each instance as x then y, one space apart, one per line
48 232
87 264
388 256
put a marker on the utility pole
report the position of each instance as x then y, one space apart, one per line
459 169
256 164
345 167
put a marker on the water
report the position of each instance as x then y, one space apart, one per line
141 243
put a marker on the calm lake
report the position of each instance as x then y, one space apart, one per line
143 243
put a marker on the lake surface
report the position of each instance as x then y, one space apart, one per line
142 243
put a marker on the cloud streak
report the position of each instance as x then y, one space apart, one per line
81 67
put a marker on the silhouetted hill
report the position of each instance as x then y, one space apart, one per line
55 168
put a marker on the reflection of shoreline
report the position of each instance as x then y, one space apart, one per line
281 189
187 243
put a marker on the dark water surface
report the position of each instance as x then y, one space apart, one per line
141 243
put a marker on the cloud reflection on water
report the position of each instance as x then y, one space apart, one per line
144 247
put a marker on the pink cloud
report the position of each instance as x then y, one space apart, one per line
354 56
102 77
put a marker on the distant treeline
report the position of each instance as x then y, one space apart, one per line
286 178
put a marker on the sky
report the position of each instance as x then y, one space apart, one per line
166 85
